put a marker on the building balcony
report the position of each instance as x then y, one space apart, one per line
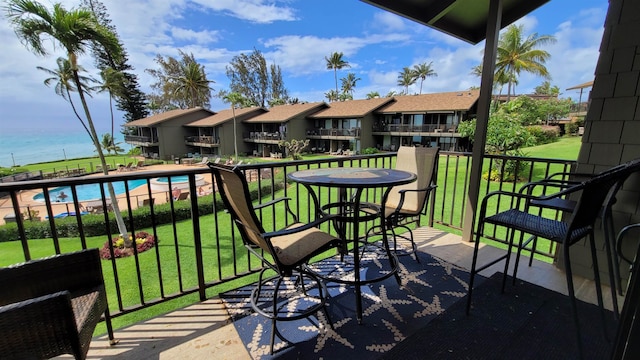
138 140
203 141
408 130
264 137
340 134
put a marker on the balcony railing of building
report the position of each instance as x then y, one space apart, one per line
353 132
264 136
202 139
424 128
139 139
198 249
580 108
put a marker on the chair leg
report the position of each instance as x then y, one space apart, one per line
596 275
612 262
572 297
474 262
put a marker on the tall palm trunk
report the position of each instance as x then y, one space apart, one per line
122 228
335 76
235 135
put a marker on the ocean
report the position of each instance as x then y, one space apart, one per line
21 147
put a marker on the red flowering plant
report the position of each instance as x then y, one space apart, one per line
121 247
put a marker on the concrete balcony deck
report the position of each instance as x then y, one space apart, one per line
204 331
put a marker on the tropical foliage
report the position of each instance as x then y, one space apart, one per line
516 54
72 30
130 99
234 99
180 84
423 71
294 147
336 62
250 77
406 78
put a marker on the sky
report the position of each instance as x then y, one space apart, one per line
296 35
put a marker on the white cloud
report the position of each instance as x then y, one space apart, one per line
258 11
200 37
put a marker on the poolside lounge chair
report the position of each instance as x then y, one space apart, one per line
204 161
183 196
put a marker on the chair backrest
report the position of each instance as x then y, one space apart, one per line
234 191
183 196
422 162
593 195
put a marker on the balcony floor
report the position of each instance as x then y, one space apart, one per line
203 331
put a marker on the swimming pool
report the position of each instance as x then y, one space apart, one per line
88 191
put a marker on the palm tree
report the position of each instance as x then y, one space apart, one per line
63 76
335 62
516 54
192 83
234 99
331 95
74 30
112 82
349 83
373 95
423 71
406 79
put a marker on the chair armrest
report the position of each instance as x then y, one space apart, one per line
404 191
527 198
297 229
30 327
275 202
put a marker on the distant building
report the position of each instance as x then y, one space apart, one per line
337 127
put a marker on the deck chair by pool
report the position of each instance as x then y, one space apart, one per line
286 251
204 161
50 306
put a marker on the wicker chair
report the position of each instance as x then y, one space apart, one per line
590 196
288 251
51 306
406 203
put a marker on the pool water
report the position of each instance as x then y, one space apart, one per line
174 179
89 191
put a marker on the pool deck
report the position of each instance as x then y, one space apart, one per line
137 195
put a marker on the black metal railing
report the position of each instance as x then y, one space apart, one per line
139 139
352 132
197 246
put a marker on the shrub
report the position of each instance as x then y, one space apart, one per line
544 134
370 150
94 225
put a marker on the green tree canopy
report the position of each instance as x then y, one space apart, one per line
516 54
250 77
406 78
180 83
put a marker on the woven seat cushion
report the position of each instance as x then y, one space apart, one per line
290 249
537 225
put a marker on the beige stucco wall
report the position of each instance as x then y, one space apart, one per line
612 126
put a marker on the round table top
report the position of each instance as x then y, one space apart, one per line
353 177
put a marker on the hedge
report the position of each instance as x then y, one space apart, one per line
93 224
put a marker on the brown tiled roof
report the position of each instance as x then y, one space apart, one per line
225 115
351 108
167 115
447 101
282 113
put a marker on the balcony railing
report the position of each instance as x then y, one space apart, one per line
264 136
353 132
425 128
209 140
139 139
198 248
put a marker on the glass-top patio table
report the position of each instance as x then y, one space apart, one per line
356 179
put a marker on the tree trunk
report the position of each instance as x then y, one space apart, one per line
112 194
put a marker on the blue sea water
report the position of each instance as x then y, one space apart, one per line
21 147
